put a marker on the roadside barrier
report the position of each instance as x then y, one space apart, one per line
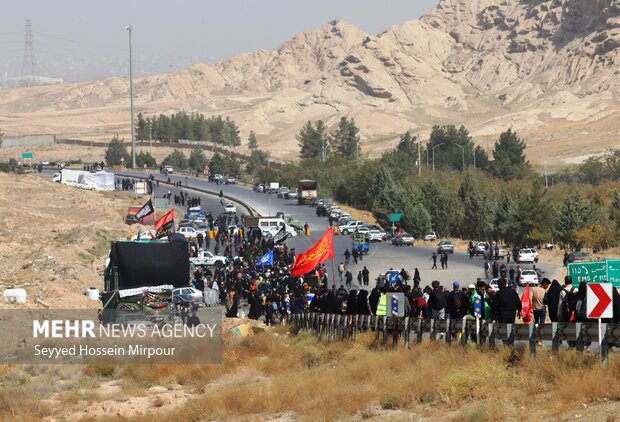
333 327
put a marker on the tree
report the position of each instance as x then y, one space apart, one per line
443 206
142 129
415 219
231 133
312 139
475 209
573 215
116 154
510 162
387 194
501 214
197 160
217 165
176 159
448 141
257 159
345 140
145 158
252 141
406 145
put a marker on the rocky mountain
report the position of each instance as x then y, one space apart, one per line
548 68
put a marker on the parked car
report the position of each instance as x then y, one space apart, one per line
291 195
528 277
86 185
350 227
218 177
481 247
283 191
135 319
578 257
342 220
45 163
259 187
404 239
527 255
430 237
144 235
189 232
230 180
363 229
335 212
168 169
185 223
375 236
188 296
230 208
445 246
201 226
272 230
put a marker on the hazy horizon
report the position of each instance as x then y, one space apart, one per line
78 40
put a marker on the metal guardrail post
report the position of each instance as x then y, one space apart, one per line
532 339
579 343
385 324
448 335
604 345
510 335
406 333
555 338
491 335
464 332
433 330
376 327
419 330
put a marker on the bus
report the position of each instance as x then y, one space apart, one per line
306 191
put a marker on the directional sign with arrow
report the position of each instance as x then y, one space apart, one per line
599 300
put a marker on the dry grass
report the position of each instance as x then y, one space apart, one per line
267 375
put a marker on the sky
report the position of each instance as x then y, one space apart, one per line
73 33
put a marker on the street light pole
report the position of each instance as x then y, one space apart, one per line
133 135
545 164
434 154
463 151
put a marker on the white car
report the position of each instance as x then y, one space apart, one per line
45 163
528 277
86 185
272 230
230 208
375 236
168 169
208 258
144 235
350 227
188 296
527 255
189 232
363 229
430 237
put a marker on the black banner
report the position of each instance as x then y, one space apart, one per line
147 209
280 236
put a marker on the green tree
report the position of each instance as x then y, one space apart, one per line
145 158
312 139
197 160
614 211
176 159
142 130
415 219
217 164
252 141
475 209
257 160
510 162
116 154
407 145
573 215
443 206
345 140
501 214
386 194
231 133
447 141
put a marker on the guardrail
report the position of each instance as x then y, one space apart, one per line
251 211
333 327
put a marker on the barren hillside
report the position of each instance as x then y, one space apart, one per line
547 68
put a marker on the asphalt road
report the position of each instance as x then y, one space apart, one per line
382 256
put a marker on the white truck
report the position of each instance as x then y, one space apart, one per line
69 177
209 259
273 187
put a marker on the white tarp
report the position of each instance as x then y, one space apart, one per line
140 290
101 180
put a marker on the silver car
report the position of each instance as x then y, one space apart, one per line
445 246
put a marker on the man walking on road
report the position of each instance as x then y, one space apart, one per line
538 295
506 303
434 259
349 279
366 276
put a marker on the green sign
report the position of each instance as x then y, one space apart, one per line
613 271
26 155
395 218
596 272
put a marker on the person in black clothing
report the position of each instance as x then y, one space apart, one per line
193 320
355 255
373 300
457 302
366 276
506 303
362 306
352 303
416 279
552 298
349 278
434 259
437 301
332 303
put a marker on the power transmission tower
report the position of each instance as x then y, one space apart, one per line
29 67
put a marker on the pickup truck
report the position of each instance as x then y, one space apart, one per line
190 232
350 227
206 258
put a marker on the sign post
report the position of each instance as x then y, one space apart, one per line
394 218
599 305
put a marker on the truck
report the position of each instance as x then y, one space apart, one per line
288 219
270 225
273 187
306 191
69 177
206 258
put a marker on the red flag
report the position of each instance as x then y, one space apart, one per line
164 225
526 305
321 251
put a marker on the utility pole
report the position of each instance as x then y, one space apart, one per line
150 138
545 164
463 151
419 159
434 154
133 135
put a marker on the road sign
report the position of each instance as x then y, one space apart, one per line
613 272
26 155
365 217
396 301
599 300
590 272
393 276
395 218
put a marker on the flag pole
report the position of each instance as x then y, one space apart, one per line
333 271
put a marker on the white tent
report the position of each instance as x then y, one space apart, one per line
101 180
